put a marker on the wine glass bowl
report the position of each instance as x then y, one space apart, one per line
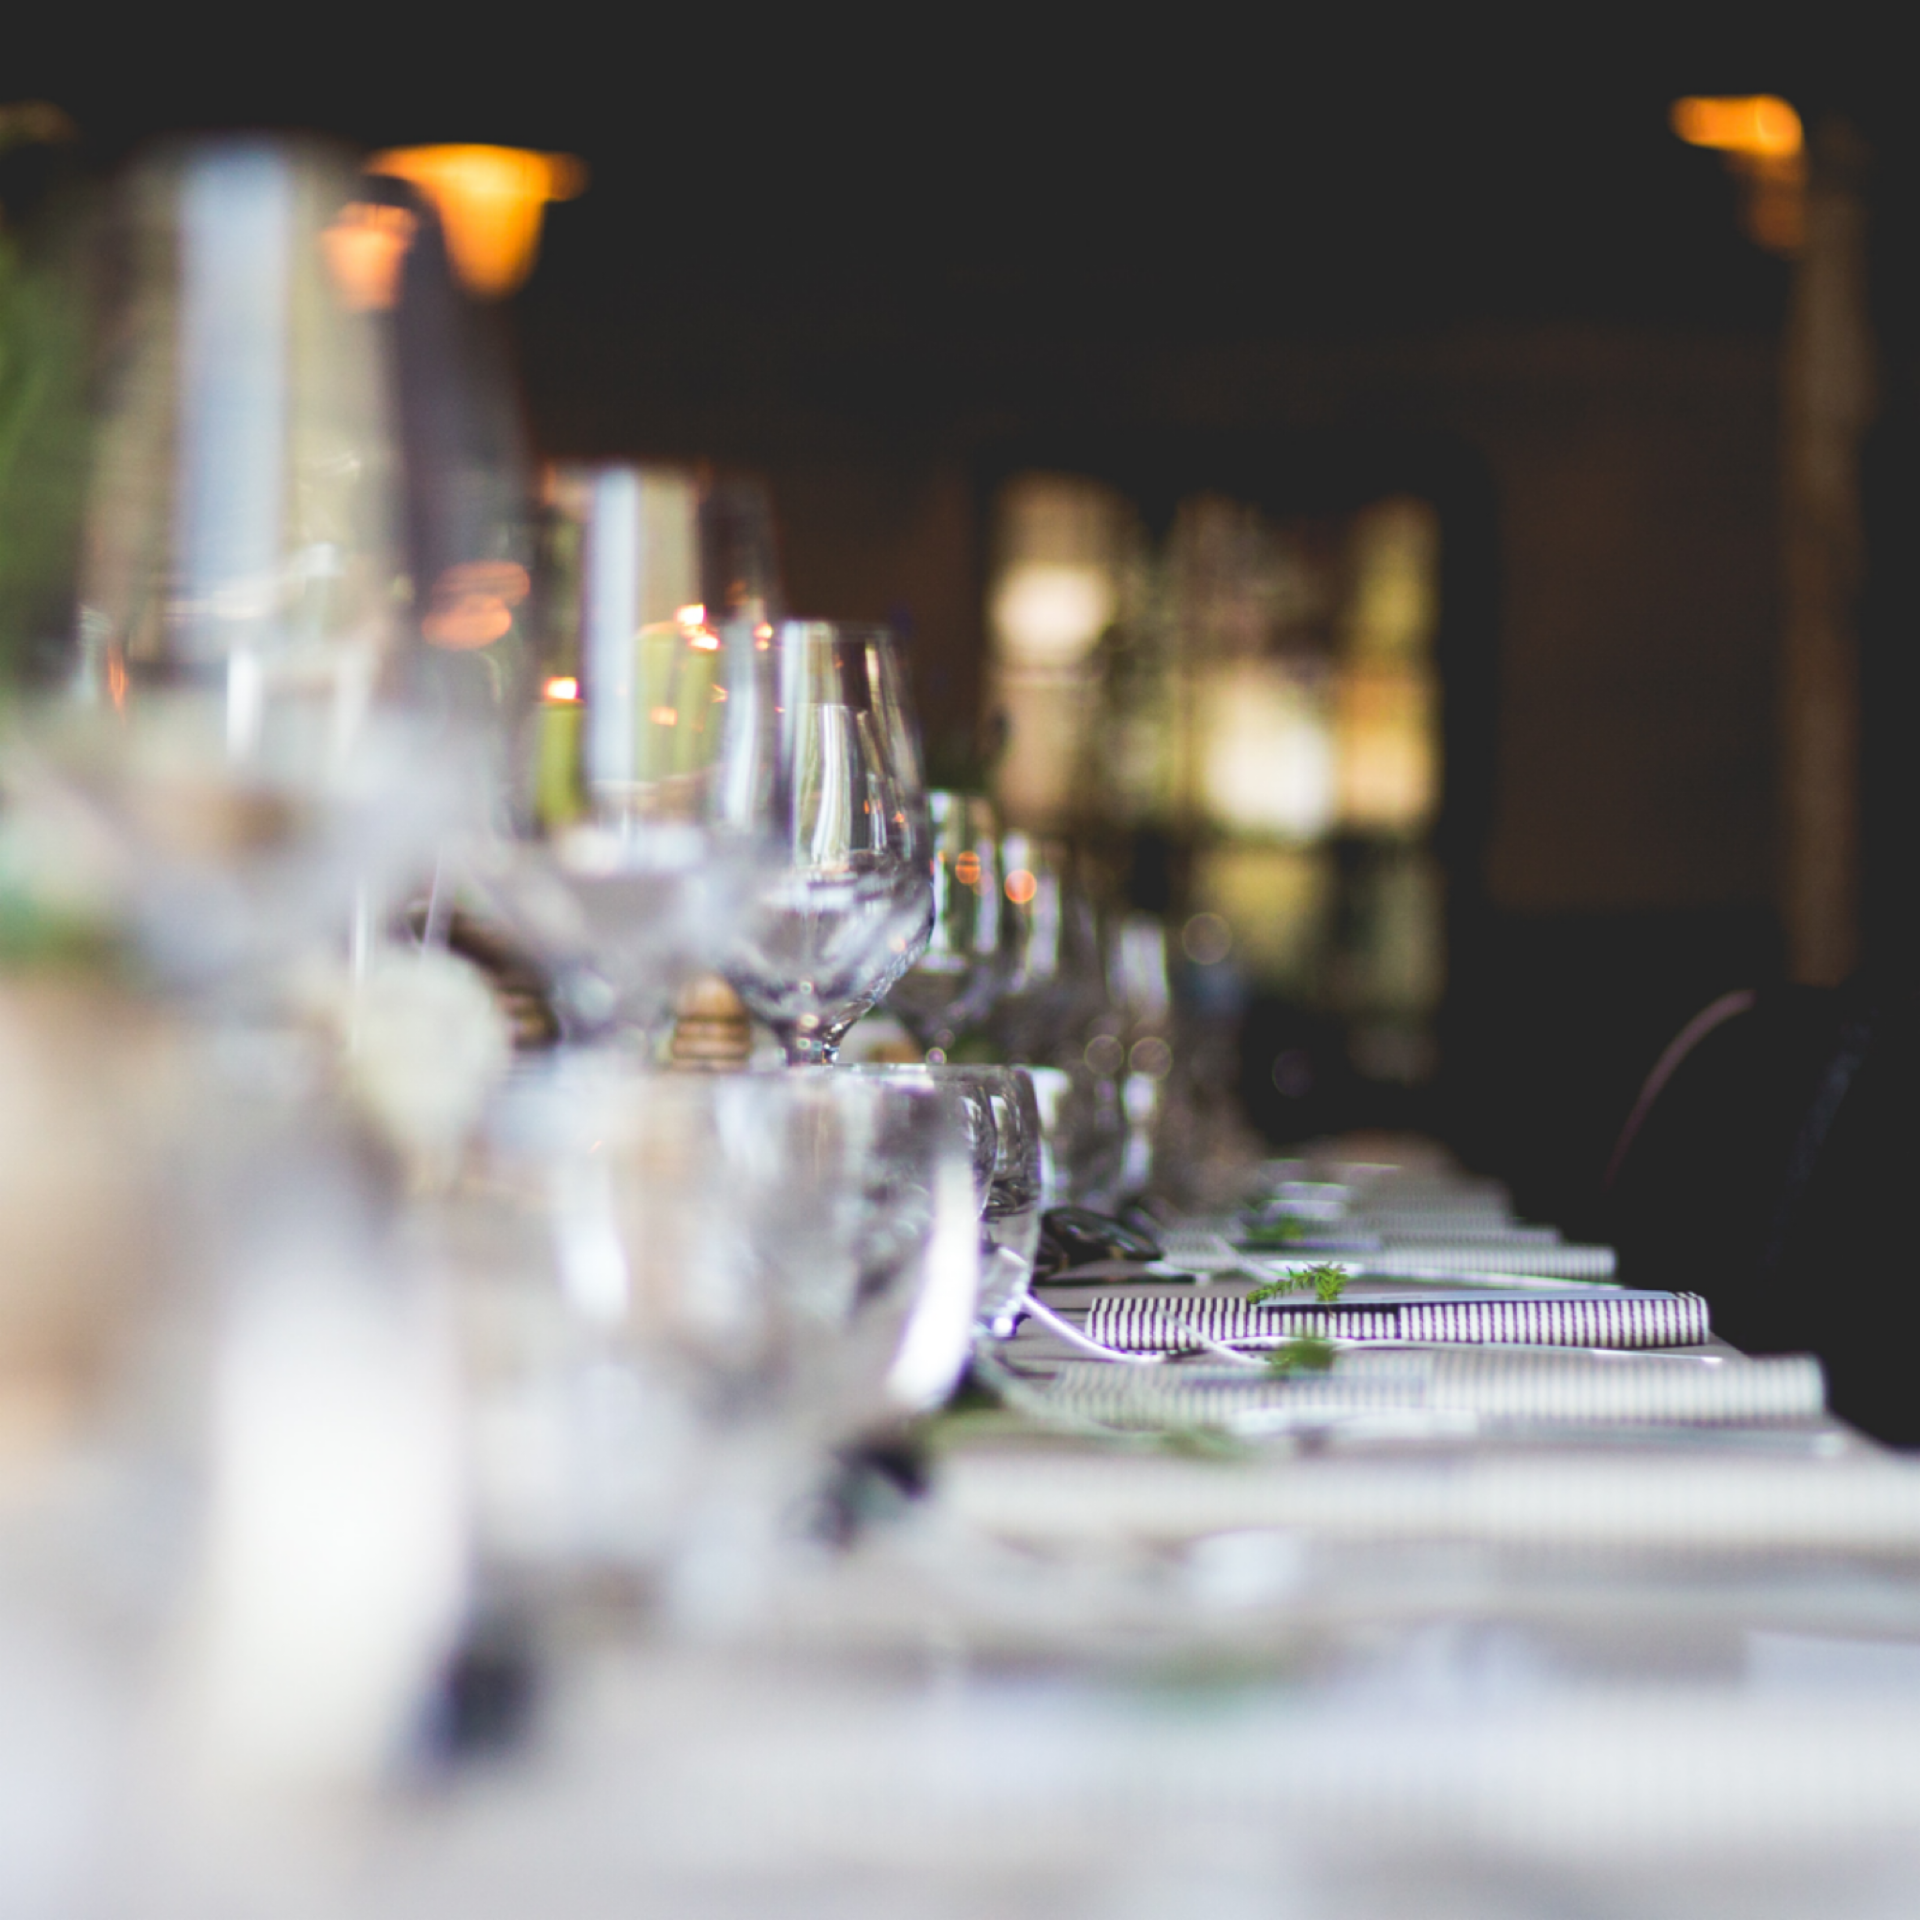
623 870
822 759
764 1265
1053 980
996 1111
957 977
228 708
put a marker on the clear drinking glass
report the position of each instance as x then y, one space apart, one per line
747 1271
1000 1117
623 872
825 764
229 700
1011 1224
1054 980
969 1098
955 981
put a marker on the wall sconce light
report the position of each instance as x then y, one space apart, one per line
1765 149
490 201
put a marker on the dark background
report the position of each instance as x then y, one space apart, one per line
1316 263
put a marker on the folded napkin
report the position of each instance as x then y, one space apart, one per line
1549 1260
1490 1386
1206 1250
1612 1319
1698 1501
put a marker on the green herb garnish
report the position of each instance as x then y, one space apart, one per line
1307 1354
1284 1232
1327 1281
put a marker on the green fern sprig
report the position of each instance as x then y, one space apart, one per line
1326 1280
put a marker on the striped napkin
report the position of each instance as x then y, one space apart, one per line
1616 1319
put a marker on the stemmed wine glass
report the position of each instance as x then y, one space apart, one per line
622 867
227 708
959 975
819 755
1054 979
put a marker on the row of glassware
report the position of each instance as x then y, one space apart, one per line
371 1326
297 647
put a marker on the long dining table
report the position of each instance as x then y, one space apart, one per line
1440 1628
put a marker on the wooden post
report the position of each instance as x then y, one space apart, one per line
1828 401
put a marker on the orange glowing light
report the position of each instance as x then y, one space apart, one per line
562 688
1765 147
966 869
664 717
365 249
1021 886
490 201
1759 125
472 603
691 616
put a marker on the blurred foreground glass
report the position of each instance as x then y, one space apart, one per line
627 872
827 768
750 1269
226 704
956 979
236 1536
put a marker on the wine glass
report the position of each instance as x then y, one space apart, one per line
820 756
226 706
998 1113
1054 981
746 1271
622 870
968 1095
1010 1220
957 978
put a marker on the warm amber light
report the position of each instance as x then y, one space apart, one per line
1021 886
665 716
1765 147
472 603
966 869
1759 124
365 249
490 201
562 689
